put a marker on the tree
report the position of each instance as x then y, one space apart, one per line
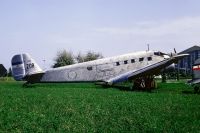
63 58
9 72
80 58
89 56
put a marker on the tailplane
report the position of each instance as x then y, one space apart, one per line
23 65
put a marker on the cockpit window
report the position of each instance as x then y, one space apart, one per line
159 53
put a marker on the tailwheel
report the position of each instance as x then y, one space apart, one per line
145 83
27 84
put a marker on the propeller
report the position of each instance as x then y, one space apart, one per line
173 54
175 51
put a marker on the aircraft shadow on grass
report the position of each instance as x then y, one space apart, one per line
189 92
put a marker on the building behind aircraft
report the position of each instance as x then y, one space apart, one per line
187 63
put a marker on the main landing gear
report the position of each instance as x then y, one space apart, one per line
196 88
144 83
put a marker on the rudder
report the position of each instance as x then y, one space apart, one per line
22 65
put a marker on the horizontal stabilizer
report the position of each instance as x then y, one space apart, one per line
33 78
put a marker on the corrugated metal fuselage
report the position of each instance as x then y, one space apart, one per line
102 69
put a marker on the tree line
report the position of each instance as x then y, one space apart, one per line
64 58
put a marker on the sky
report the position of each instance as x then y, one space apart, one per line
111 27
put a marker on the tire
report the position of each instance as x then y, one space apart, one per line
196 89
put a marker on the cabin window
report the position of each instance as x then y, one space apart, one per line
149 58
132 60
89 68
117 63
141 59
126 62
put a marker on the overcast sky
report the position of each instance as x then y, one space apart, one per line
112 27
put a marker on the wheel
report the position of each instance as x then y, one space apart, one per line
25 85
196 89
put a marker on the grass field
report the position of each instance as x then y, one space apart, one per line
88 108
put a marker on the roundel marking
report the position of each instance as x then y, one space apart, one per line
72 75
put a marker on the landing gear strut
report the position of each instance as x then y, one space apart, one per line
196 89
144 83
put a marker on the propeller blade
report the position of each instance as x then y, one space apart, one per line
174 50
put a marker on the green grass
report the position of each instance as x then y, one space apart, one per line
88 108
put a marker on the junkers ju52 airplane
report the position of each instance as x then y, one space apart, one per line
139 67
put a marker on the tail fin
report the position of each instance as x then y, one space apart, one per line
23 65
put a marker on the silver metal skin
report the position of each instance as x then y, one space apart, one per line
110 70
102 69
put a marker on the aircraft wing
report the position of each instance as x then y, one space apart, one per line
147 70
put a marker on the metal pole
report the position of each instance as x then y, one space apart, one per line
44 64
148 46
178 72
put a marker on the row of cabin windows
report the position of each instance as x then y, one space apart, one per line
133 60
89 68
